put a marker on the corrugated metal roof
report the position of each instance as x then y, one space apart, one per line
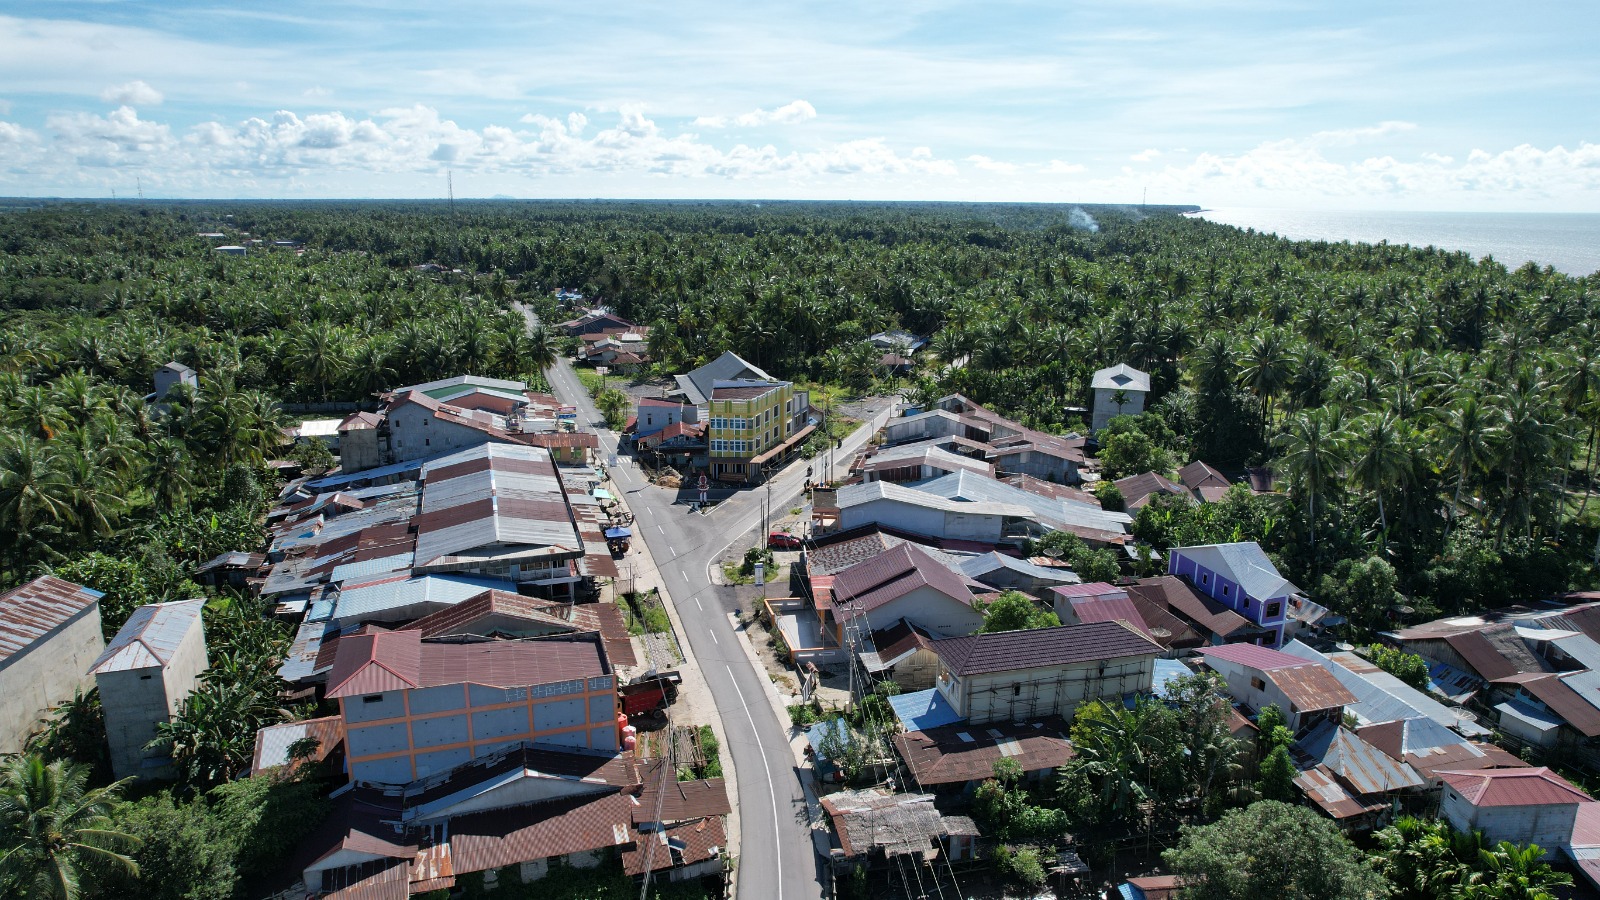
1311 687
1092 589
955 754
1361 766
1245 564
421 595
1004 651
150 637
274 741
382 565
978 566
1254 656
505 837
1050 512
921 710
858 494
399 660
29 612
1120 377
1381 697
1324 789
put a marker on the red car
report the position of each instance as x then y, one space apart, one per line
783 540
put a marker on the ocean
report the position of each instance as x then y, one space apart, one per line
1570 242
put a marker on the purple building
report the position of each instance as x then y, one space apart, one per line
1239 576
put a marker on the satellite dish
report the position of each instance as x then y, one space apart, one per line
1053 552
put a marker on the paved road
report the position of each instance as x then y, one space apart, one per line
776 855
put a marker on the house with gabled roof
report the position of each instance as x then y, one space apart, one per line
144 675
1524 806
904 583
49 637
1259 676
1347 778
962 756
1118 391
1015 676
1240 576
1206 484
1211 620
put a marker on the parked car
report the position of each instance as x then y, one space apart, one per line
783 540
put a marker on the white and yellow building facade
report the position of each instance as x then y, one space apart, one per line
750 424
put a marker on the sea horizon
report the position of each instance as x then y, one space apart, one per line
1568 242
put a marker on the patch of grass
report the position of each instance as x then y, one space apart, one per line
645 614
591 381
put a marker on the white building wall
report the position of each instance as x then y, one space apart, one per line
414 433
1548 826
1026 694
939 613
47 674
136 701
1105 409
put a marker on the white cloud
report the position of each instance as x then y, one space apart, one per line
1062 167
1145 155
1302 171
133 93
1347 136
990 165
788 114
317 91
406 140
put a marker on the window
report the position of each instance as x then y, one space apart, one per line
1016 690
372 698
1205 579
1226 590
1258 684
1273 609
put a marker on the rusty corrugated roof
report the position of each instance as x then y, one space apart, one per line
33 610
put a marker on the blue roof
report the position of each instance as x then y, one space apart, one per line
1168 670
921 710
382 565
330 482
816 733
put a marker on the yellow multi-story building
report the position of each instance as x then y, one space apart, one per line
751 423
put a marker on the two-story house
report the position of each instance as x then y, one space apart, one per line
413 708
1019 676
751 423
1241 577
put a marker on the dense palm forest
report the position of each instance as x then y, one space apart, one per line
1431 412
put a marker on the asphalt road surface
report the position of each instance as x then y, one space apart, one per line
776 858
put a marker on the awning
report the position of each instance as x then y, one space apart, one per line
784 447
602 494
618 533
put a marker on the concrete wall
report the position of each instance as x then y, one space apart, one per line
917 672
358 450
1026 694
414 433
137 700
922 427
1105 410
652 419
46 674
1039 465
1548 826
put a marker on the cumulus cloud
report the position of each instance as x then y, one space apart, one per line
418 139
1346 136
1305 168
1062 167
134 93
1145 155
788 114
991 165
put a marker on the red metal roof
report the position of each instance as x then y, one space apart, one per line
1173 593
1111 609
1562 700
681 800
399 660
1514 787
29 612
1263 659
1092 589
505 837
703 839
1005 651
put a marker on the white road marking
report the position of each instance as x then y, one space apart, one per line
714 638
659 528
697 604
777 845
684 574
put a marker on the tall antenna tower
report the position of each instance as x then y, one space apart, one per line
450 180
140 182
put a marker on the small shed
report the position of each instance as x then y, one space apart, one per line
144 675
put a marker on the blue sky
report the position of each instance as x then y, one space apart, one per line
1424 105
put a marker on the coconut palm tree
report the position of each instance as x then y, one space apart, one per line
1379 459
1314 449
1466 433
55 830
1512 872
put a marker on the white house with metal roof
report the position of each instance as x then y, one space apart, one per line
1121 383
49 634
144 675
